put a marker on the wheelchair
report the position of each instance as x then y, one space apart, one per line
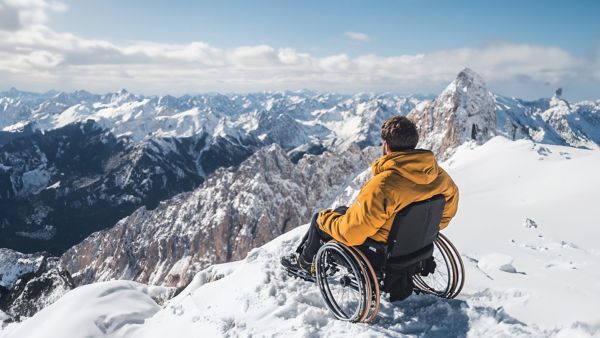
351 279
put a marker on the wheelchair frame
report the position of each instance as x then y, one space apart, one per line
354 294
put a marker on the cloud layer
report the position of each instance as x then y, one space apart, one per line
34 56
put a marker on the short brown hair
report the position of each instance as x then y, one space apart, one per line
400 133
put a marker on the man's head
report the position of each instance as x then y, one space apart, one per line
399 133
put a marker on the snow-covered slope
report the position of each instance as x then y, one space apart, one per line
525 227
113 309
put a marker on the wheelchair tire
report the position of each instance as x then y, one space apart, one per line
448 278
372 311
342 282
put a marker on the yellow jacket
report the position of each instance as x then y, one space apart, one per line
399 179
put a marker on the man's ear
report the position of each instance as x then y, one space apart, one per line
386 148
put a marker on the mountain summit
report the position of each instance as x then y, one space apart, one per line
464 111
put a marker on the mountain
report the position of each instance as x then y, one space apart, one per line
198 180
467 111
75 163
531 269
30 282
233 211
60 185
551 121
272 116
463 111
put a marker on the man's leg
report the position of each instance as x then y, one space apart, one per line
309 246
313 240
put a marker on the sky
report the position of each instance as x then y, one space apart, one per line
521 48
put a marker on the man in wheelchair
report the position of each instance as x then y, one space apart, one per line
402 178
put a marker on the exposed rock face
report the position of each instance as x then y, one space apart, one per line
59 186
30 282
464 111
467 111
234 211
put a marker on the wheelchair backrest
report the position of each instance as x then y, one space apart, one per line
415 227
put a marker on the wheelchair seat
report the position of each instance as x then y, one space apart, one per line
411 237
409 246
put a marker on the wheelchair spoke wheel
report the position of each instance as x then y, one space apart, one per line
448 278
459 276
373 282
341 281
440 281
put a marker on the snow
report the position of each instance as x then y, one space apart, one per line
45 234
216 115
108 309
34 180
54 185
521 280
14 264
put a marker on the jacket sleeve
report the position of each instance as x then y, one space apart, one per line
451 196
363 219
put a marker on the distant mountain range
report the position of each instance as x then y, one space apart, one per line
154 189
75 163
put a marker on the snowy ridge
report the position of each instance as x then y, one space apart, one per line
270 116
553 121
531 267
465 110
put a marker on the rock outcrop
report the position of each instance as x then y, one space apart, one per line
30 282
463 112
235 210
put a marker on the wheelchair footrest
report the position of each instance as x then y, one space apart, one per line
300 273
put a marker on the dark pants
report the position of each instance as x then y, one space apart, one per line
312 240
315 237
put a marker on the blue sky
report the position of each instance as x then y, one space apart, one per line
521 48
394 27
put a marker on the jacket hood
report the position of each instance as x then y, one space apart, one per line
418 166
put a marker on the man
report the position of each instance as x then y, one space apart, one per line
403 175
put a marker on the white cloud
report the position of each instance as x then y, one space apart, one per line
16 14
9 18
362 37
34 56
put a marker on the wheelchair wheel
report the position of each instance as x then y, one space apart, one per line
459 277
448 278
371 312
341 280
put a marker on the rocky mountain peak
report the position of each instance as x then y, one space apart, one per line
464 111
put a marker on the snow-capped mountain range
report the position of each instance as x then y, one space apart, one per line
75 163
141 150
199 180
